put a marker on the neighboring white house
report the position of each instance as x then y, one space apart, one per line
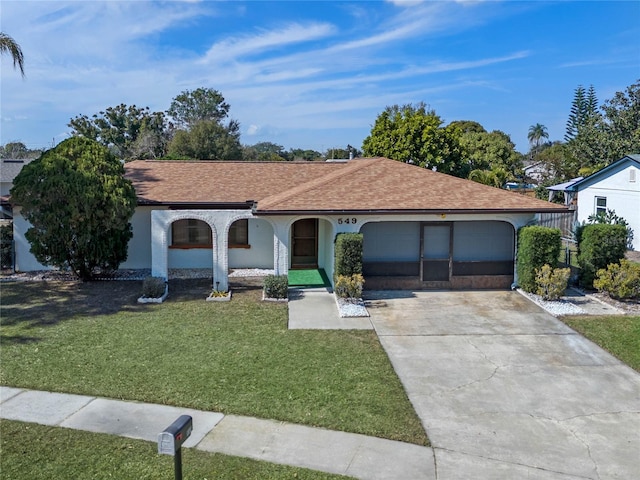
9 170
615 187
421 229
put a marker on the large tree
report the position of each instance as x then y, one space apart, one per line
128 131
484 150
414 134
622 123
264 152
584 111
79 205
18 150
207 140
191 107
10 46
537 133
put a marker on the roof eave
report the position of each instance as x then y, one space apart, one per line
410 211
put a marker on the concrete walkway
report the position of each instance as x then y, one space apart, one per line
342 453
315 308
505 390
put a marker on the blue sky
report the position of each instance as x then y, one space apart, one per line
316 74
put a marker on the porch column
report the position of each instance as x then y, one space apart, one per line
220 253
159 262
281 247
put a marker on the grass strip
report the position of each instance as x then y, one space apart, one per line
233 357
619 335
39 452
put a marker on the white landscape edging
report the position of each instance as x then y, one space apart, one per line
155 300
226 298
350 307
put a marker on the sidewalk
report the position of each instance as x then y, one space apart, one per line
350 454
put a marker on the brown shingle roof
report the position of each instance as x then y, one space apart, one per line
361 185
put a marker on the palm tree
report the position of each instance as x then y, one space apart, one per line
9 45
536 133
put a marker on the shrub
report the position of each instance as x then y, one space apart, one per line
551 282
537 246
276 286
348 256
6 246
153 287
600 245
349 286
619 280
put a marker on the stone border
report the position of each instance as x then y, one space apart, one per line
155 300
351 307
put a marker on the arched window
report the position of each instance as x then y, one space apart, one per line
190 233
239 234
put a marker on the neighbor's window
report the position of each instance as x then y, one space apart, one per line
190 233
239 233
601 205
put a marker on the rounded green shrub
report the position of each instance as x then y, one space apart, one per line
600 245
620 281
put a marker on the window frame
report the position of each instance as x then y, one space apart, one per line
239 228
190 225
600 208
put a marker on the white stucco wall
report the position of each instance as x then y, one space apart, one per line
260 255
139 251
622 194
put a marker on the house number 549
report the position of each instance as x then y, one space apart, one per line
347 221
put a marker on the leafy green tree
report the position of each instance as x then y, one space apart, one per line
125 130
207 140
560 163
468 126
18 150
342 153
265 152
300 154
193 106
488 151
10 46
622 123
495 177
413 134
79 205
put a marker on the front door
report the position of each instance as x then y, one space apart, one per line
436 256
304 243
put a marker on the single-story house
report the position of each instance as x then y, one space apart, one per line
421 229
615 187
9 170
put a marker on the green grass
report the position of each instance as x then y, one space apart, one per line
232 357
34 452
619 335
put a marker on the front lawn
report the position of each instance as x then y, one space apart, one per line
38 452
233 357
619 335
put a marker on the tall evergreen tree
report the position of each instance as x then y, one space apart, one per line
584 111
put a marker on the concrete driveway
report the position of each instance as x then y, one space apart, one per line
505 390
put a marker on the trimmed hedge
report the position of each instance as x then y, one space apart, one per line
600 245
348 256
153 287
537 246
276 286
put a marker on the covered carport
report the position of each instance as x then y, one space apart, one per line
454 254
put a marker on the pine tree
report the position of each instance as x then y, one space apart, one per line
578 109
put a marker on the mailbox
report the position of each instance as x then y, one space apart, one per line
170 441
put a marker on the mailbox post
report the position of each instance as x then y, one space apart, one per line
172 438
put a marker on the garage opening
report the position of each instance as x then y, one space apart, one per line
422 255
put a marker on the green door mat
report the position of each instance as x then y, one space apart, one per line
313 278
